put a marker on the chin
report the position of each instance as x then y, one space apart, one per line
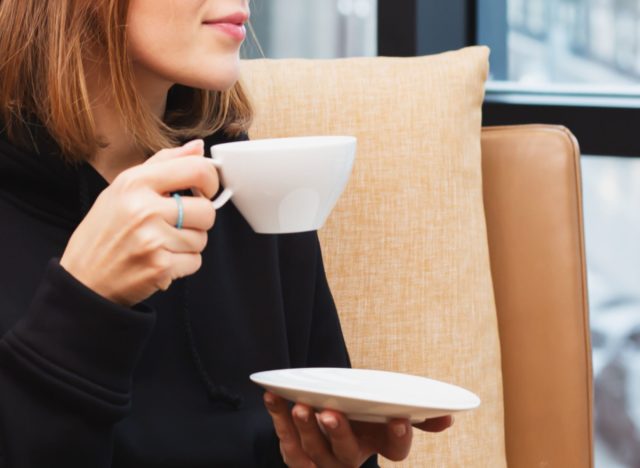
222 85
206 82
217 77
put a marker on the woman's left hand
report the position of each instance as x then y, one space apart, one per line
329 440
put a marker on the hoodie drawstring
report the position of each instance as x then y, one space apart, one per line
215 391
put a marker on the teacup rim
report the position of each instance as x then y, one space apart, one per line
293 141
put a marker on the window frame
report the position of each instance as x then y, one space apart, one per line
604 125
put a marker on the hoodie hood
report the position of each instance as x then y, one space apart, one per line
40 181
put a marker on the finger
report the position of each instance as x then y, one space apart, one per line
290 445
398 440
183 240
435 424
345 445
167 267
191 148
184 264
313 442
182 173
197 212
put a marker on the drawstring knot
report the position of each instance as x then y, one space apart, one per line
216 392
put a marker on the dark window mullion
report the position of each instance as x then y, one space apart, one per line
397 28
607 131
420 27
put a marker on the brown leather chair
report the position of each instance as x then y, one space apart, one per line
533 206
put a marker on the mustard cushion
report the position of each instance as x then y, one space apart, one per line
406 248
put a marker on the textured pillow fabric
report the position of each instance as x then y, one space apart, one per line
406 248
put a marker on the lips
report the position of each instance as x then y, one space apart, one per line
232 25
237 19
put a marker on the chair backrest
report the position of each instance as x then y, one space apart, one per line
533 206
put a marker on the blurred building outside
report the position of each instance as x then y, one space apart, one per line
314 29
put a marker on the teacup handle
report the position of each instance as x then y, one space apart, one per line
226 194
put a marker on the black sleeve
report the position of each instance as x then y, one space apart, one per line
327 346
65 375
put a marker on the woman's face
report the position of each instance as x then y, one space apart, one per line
190 42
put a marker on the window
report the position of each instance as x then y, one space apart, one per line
581 59
314 29
573 41
612 226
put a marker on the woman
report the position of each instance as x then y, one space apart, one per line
131 312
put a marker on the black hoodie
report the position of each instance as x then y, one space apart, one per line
87 383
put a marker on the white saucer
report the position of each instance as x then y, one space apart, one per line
368 395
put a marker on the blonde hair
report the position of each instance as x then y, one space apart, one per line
43 48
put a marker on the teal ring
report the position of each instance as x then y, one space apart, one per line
178 199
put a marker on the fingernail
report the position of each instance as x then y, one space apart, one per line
302 414
329 421
269 401
400 430
193 144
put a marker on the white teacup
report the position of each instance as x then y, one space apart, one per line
284 185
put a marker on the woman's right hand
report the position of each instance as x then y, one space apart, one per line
127 247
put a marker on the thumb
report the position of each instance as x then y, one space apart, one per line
397 443
192 148
435 424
